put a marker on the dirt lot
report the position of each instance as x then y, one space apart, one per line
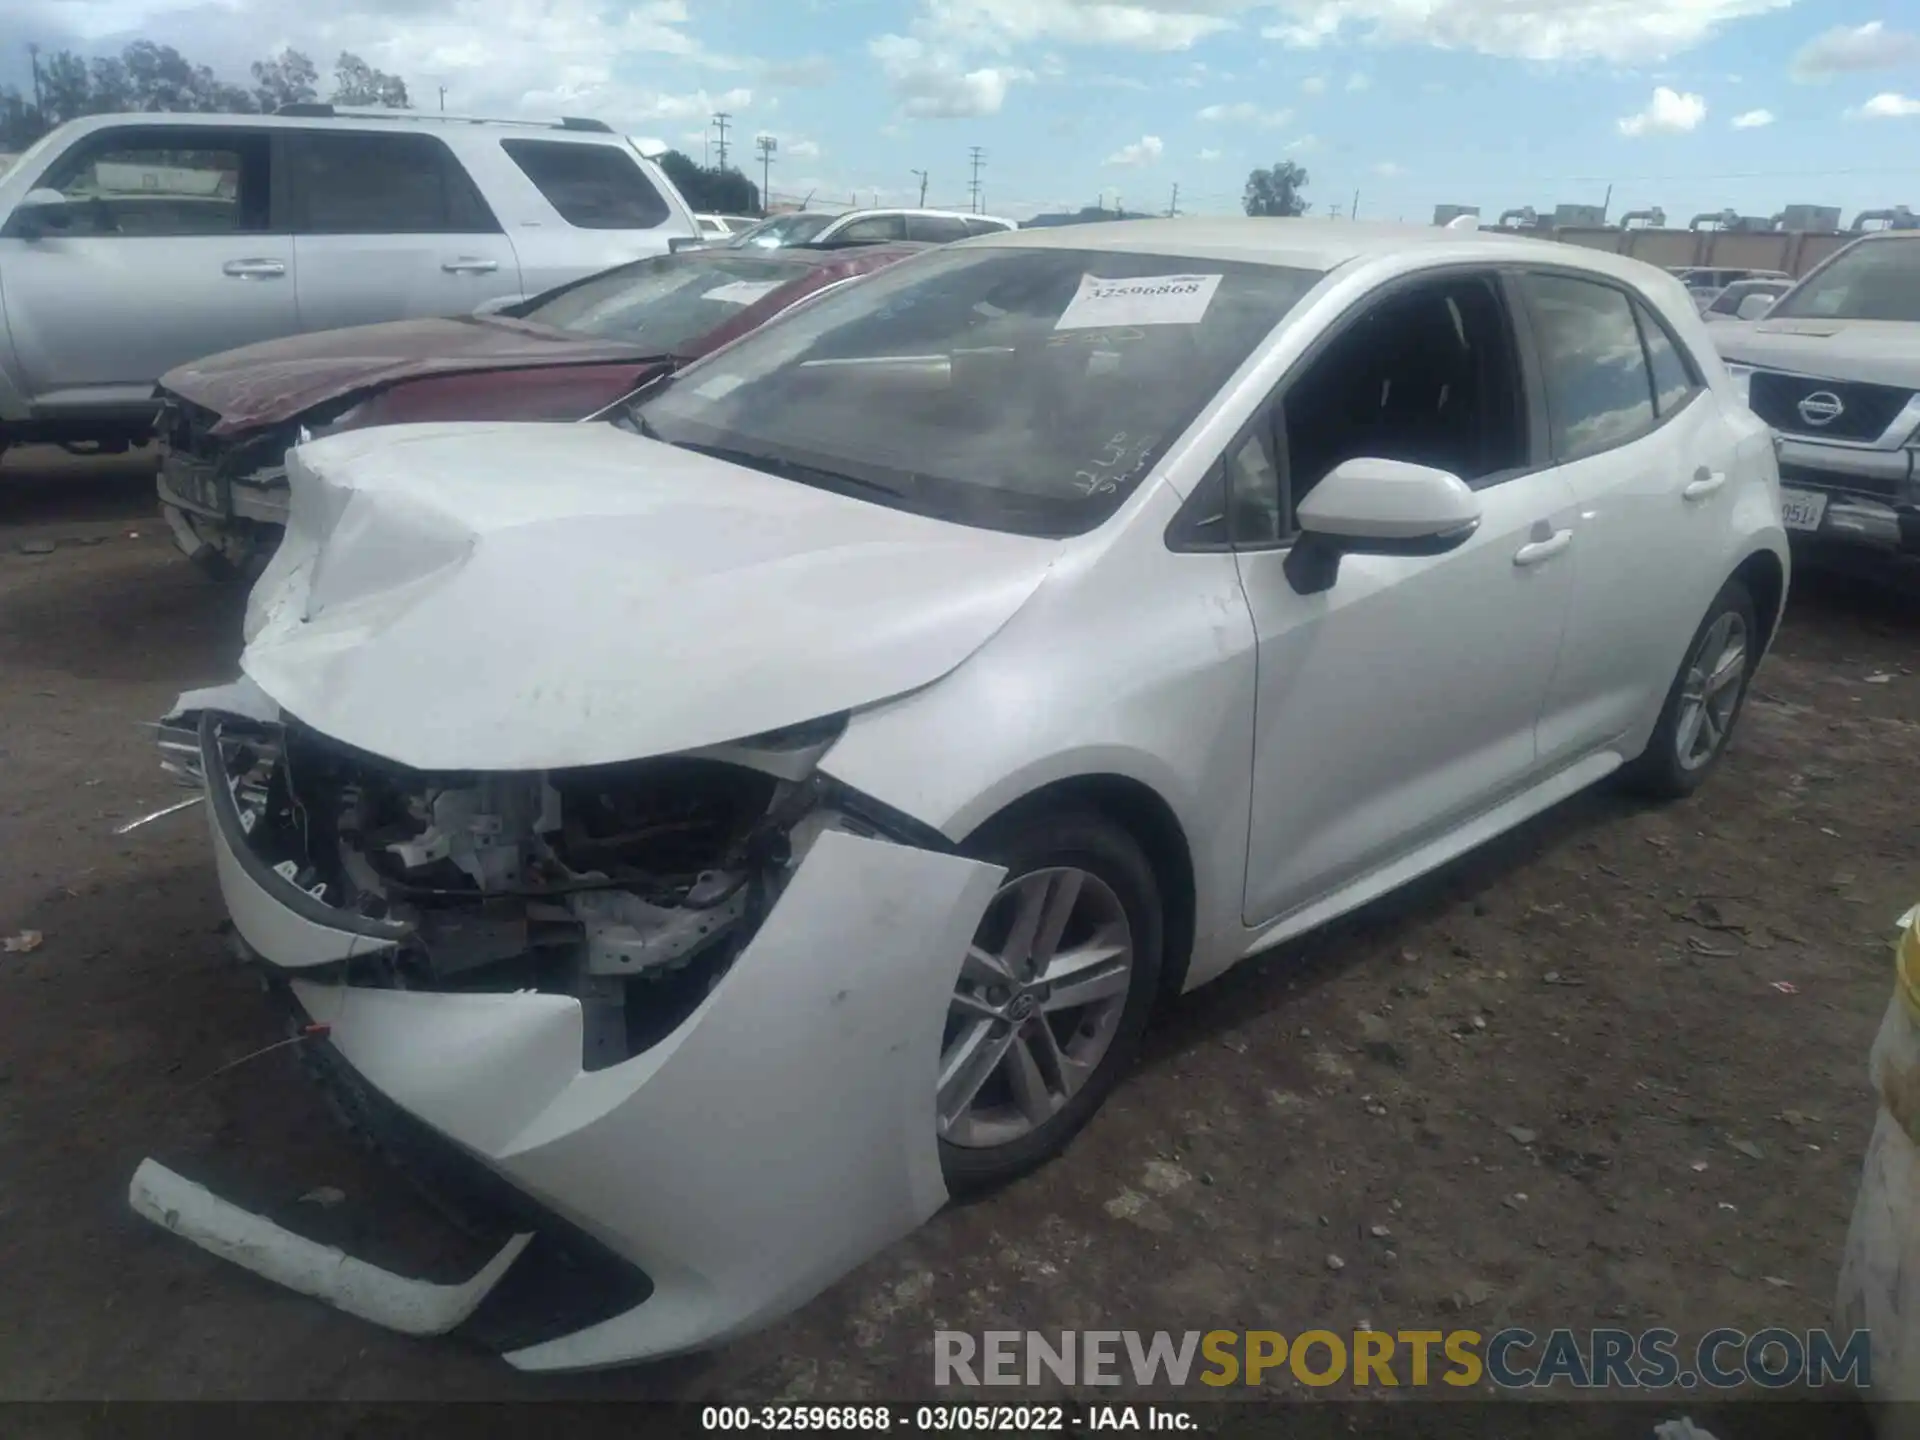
1612 1072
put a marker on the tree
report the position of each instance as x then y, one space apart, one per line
288 79
20 123
1276 191
357 83
711 190
65 89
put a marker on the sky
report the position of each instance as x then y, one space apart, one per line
1691 105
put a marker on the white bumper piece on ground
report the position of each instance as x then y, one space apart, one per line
413 1307
781 1135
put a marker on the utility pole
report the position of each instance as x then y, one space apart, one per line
923 186
720 146
1173 205
1606 205
978 156
767 145
1354 213
443 97
39 104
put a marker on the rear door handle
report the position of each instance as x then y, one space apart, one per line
469 265
1537 551
254 269
1703 484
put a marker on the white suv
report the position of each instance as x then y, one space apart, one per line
130 244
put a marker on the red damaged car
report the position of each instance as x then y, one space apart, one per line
227 422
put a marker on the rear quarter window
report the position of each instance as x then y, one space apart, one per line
594 187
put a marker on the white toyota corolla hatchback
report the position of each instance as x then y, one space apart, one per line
729 831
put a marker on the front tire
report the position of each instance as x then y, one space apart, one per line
1704 701
1053 997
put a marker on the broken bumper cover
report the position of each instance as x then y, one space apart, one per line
777 1137
200 503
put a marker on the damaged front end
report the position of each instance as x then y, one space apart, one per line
688 1007
224 497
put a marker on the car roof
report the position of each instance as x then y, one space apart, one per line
588 131
1308 244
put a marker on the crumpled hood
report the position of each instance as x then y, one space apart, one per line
1877 352
431 604
280 379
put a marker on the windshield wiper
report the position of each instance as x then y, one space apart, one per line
792 470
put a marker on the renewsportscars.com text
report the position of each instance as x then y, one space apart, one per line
1512 1359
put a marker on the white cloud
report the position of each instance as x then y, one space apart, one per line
1143 151
933 84
1132 24
1209 154
1314 85
1358 81
1888 106
1303 144
1668 113
1752 119
808 72
1388 170
1245 112
700 102
1618 30
1855 47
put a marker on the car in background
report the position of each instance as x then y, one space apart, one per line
868 227
226 422
735 829
1834 367
1726 305
1715 278
719 227
130 244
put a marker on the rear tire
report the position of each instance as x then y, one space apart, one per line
1704 702
1096 884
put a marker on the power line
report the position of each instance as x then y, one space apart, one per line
974 193
720 145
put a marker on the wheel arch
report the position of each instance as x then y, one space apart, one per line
1144 814
1765 575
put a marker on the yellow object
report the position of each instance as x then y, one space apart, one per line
1906 963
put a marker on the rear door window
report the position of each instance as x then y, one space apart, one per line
594 187
940 229
871 228
1599 391
344 182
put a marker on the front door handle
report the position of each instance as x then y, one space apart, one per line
469 265
1703 484
1536 551
254 269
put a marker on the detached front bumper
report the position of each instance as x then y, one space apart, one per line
777 1137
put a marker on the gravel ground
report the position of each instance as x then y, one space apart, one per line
1610 1071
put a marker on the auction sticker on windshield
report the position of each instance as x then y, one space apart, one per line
1139 300
743 292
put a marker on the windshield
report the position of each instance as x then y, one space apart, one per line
783 230
665 301
1023 389
1873 280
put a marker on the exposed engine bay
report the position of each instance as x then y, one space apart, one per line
630 887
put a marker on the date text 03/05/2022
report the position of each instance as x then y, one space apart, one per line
944 1419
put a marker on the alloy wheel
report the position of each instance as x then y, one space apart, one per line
1710 693
1038 1002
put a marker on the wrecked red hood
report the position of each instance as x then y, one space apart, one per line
281 379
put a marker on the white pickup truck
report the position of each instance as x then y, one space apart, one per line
130 244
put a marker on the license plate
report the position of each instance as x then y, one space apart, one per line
1802 509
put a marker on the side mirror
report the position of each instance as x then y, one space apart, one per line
1371 506
1754 307
40 211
